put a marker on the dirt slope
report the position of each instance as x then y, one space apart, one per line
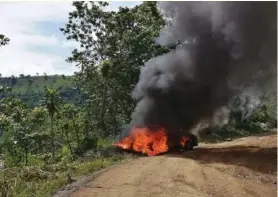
241 168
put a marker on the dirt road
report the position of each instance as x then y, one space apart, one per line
244 167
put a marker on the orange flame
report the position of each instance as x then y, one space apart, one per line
183 140
145 141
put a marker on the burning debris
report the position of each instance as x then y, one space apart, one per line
144 140
227 48
151 141
154 141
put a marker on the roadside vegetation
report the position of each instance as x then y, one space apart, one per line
54 129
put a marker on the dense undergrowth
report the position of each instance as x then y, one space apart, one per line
30 89
54 129
43 180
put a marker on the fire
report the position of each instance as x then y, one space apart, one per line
183 140
126 143
145 141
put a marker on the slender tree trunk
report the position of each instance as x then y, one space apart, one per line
26 158
76 132
52 138
40 146
102 114
86 127
68 142
26 154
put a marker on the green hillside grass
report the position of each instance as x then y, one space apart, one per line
36 83
30 88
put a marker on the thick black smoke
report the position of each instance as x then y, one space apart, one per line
227 48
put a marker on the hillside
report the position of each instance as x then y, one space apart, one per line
30 88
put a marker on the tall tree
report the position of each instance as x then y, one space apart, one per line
69 112
51 101
114 46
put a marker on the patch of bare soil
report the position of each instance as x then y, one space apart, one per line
245 167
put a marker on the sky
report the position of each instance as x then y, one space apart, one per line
37 46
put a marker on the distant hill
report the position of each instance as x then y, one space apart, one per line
30 88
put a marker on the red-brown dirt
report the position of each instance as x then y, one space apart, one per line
245 167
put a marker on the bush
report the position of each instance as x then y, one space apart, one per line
43 181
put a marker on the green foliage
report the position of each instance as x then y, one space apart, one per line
56 127
51 100
4 40
31 89
43 181
110 61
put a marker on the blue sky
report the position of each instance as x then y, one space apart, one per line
37 45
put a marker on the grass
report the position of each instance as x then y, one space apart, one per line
44 181
231 133
38 82
31 93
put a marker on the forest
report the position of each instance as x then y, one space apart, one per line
56 128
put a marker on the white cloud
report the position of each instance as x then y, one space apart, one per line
19 20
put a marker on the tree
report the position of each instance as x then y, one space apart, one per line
13 80
38 125
16 127
30 81
4 40
114 46
45 76
70 127
51 101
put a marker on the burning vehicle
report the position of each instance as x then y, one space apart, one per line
153 142
188 142
215 56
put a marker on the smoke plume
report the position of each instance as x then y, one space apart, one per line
227 48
